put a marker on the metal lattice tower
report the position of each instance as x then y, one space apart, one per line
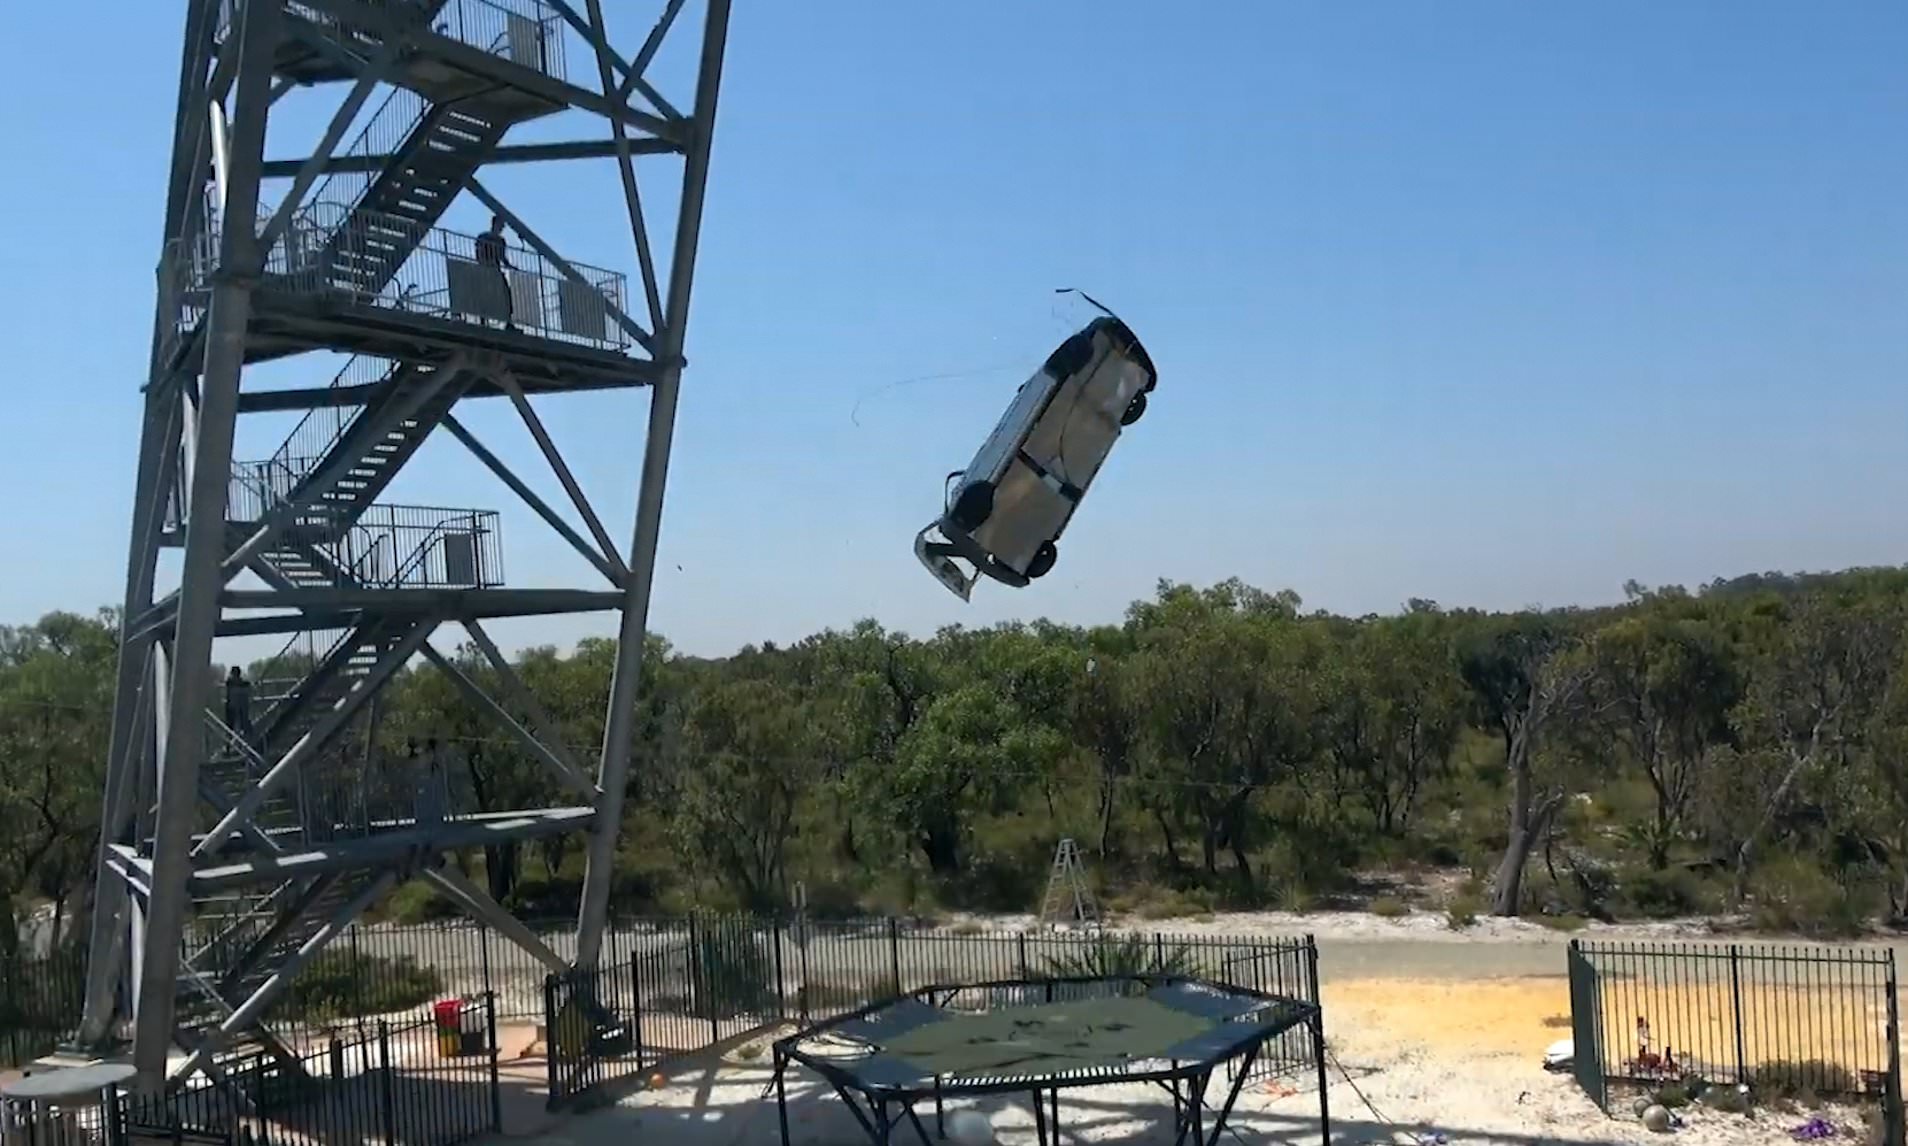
231 855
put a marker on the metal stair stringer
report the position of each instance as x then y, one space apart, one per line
388 222
336 490
308 925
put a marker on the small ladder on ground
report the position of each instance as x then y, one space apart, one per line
1068 898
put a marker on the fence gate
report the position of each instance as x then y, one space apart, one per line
1586 1028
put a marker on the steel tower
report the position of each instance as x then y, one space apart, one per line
230 855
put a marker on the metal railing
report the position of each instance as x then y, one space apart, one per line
387 546
527 32
1784 1021
40 1003
329 254
415 1081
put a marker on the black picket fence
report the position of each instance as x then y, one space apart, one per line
690 984
1785 1021
413 1082
40 1003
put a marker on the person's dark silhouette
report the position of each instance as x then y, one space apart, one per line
494 253
238 703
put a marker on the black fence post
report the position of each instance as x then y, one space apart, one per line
483 940
894 951
386 1109
496 1083
1020 942
636 1004
1735 1011
1894 1125
1159 952
781 987
801 952
551 1039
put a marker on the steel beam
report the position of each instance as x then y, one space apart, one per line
488 912
625 166
619 725
554 456
557 766
607 562
504 153
198 612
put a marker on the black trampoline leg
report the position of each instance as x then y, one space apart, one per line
1324 1105
781 1095
940 1115
1053 1097
1199 1108
883 1128
1040 1120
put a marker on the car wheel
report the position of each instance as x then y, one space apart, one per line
1043 560
1133 410
1071 356
974 505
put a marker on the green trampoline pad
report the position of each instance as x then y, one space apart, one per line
1047 1039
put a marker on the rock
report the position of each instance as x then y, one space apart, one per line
1643 1102
1657 1118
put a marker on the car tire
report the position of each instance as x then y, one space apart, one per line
1071 356
973 506
1134 409
1043 560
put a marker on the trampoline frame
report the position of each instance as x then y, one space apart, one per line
888 1106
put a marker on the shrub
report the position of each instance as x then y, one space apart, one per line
1462 910
1663 894
1790 894
1561 922
1805 1080
1113 956
1389 907
347 984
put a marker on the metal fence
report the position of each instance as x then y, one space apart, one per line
1782 1020
40 1002
681 986
430 1080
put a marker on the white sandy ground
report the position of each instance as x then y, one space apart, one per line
1503 1098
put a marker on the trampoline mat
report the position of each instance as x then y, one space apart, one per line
1048 1039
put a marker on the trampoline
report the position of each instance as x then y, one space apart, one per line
1040 1036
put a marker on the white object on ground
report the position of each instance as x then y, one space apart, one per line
1657 1118
1560 1054
970 1128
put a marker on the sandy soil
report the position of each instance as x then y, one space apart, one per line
1438 1032
1387 1092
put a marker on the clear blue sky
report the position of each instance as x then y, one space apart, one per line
1489 302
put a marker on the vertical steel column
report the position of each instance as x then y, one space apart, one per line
200 581
625 685
158 443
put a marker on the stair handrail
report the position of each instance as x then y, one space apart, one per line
313 438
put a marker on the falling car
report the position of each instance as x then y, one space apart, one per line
1005 512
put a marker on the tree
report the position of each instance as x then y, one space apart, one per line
56 681
1227 707
1666 687
1813 695
1393 708
1524 679
751 754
